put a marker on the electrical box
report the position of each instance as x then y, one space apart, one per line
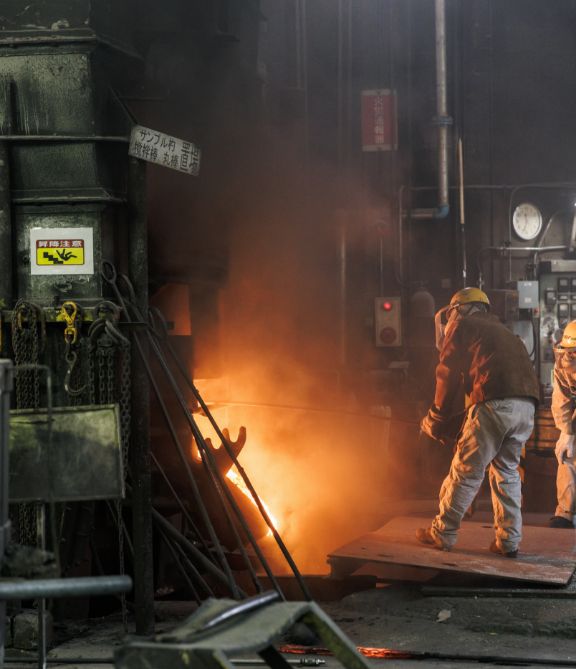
388 321
557 284
528 297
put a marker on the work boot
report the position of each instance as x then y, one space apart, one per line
560 523
495 548
426 537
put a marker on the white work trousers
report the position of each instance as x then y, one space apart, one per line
493 435
566 489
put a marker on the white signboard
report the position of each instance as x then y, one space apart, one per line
156 147
61 251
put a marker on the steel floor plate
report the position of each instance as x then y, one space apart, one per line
546 555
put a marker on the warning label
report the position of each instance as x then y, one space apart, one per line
60 251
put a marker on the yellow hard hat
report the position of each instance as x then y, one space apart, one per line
569 336
467 295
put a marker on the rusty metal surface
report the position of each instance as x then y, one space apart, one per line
546 555
81 459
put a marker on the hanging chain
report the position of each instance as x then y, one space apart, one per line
28 340
110 382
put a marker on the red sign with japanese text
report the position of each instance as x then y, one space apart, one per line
379 124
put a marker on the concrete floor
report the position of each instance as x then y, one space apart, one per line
406 615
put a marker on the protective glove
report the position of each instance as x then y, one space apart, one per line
565 448
432 426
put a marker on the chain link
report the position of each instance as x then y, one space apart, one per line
110 382
28 340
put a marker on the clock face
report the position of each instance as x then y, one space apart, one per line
527 221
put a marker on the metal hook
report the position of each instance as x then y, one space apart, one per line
108 272
71 358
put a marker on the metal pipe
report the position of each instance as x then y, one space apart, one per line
50 588
102 196
343 264
64 138
41 604
205 562
139 455
538 249
6 386
241 662
442 120
462 212
6 251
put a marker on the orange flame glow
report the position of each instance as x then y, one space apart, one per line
238 481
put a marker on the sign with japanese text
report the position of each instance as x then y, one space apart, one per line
379 126
61 251
156 147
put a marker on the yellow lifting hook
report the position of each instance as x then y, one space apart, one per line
68 314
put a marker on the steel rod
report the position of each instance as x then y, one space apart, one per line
110 276
209 461
242 473
139 449
154 339
180 567
63 587
205 562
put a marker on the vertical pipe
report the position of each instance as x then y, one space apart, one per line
6 385
462 213
6 266
139 456
442 120
41 544
298 41
305 80
339 87
343 245
441 103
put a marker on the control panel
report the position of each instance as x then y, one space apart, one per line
557 309
388 321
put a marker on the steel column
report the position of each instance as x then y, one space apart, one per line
140 464
6 251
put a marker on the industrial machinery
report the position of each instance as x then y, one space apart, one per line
557 305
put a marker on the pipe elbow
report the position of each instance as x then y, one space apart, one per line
442 211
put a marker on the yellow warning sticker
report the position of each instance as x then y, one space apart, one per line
60 251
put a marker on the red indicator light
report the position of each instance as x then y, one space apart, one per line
387 306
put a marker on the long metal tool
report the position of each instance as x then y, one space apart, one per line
108 273
233 457
205 562
209 461
240 469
